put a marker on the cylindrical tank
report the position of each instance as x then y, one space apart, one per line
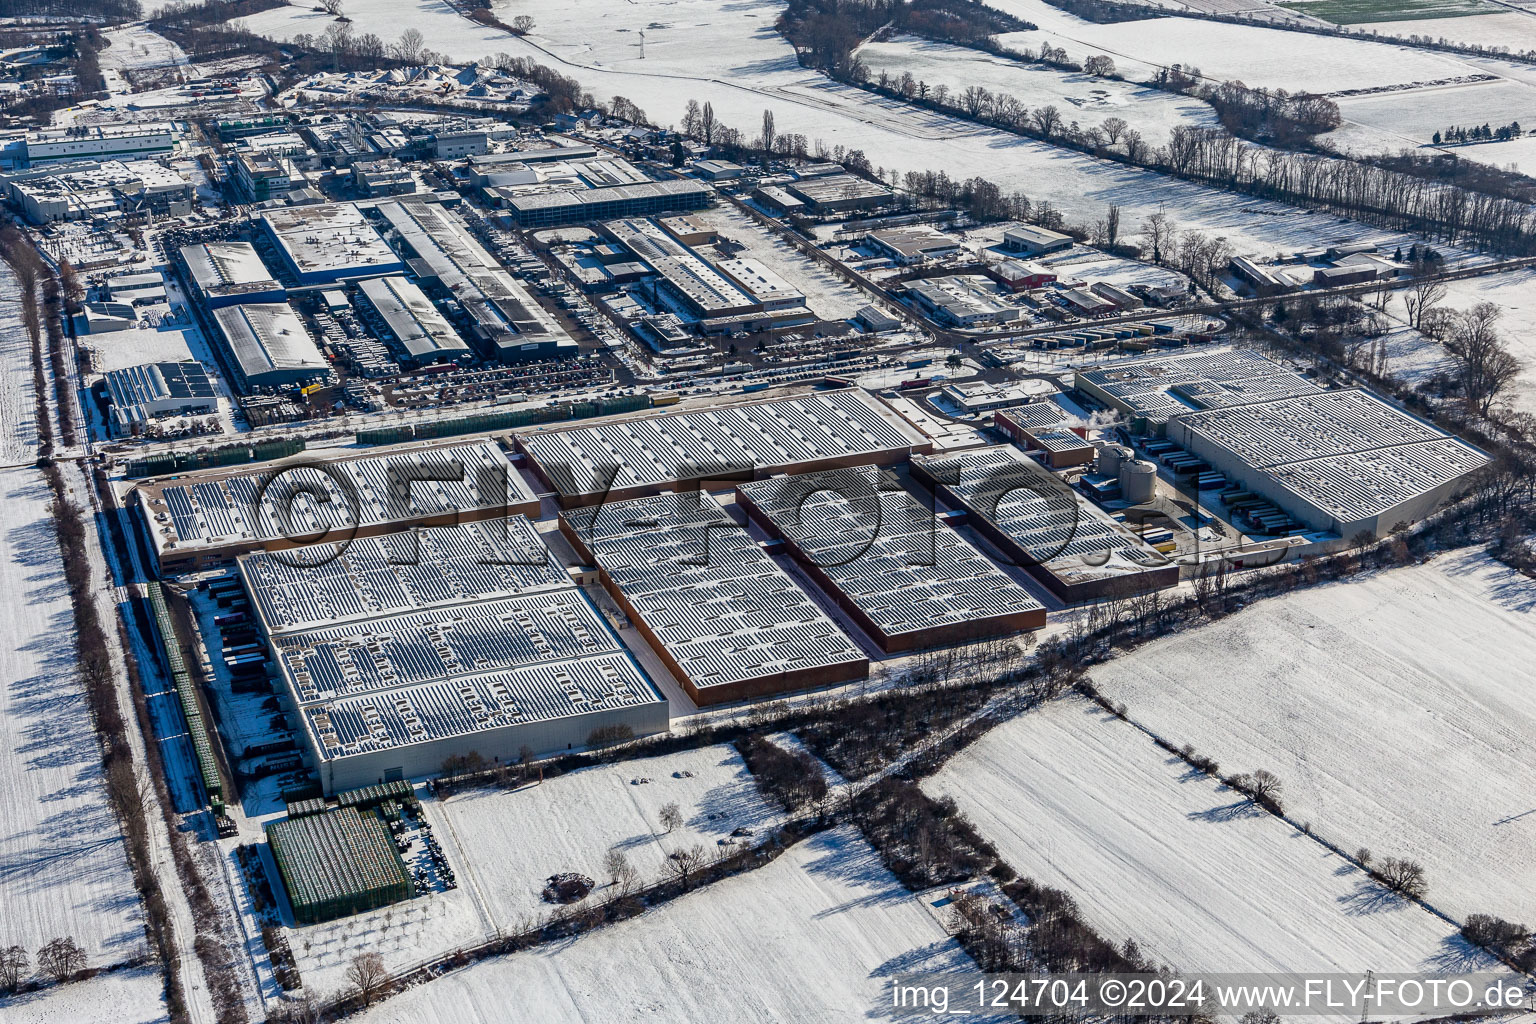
1112 457
1138 481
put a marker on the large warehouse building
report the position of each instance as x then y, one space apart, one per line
398 657
268 345
224 273
412 321
721 614
328 242
204 518
1155 389
882 556
633 457
1346 462
1035 519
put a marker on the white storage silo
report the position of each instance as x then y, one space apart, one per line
1112 457
1138 481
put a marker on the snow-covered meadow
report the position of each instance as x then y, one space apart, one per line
1080 97
1397 710
811 936
1199 877
63 871
512 842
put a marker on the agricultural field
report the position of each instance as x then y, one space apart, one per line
129 996
1374 701
1500 27
808 937
18 424
512 842
63 871
1198 876
1083 98
1409 118
1361 12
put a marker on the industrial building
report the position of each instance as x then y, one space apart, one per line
1042 525
684 275
328 242
909 581
1155 389
504 321
917 243
224 273
979 397
767 290
961 301
1019 276
100 140
1029 240
835 193
399 652
631 457
85 190
721 614
139 394
549 209
268 345
208 517
1345 462
412 322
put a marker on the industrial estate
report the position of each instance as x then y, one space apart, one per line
468 534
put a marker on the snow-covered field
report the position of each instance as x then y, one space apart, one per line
504 845
1082 98
130 996
62 866
513 841
1188 868
1513 29
18 423
1396 710
1411 117
136 48
810 937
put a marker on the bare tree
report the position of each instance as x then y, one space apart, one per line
1160 232
1404 877
691 116
331 7
768 131
367 975
1264 785
1047 119
1425 293
686 862
1099 64
1136 147
707 123
1113 128
522 24
671 817
408 48
13 967
61 959
975 100
622 875
1488 370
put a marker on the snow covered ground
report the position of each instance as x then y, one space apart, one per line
18 423
1513 29
513 841
1411 117
1083 98
1188 868
133 996
62 866
136 48
810 937
1394 709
